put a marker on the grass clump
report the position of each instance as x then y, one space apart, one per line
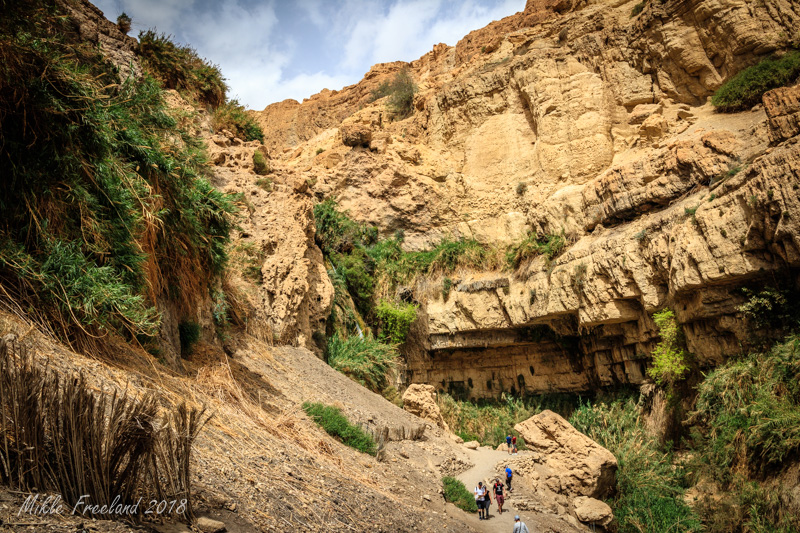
336 424
669 358
649 486
363 359
400 91
89 246
638 8
395 320
455 492
179 67
746 88
232 116
260 163
549 245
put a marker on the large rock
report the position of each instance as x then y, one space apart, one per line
356 134
592 511
420 400
583 467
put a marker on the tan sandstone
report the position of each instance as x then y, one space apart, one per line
578 465
420 400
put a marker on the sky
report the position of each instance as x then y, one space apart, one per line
271 50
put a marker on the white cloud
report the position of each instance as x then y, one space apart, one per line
259 55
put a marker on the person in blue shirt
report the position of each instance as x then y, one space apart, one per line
509 475
508 443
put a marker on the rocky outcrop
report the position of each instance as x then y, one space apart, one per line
568 461
783 109
592 511
573 118
420 400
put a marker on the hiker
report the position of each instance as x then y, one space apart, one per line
487 502
508 444
509 475
480 497
519 527
498 495
514 444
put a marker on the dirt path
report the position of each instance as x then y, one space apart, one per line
485 460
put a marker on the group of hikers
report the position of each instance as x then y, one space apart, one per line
483 495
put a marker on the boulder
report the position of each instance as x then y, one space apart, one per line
502 447
420 400
592 511
356 134
472 445
643 111
583 467
207 525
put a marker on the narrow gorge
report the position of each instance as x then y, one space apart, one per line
578 226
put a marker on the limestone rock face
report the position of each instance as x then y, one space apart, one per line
420 400
592 511
578 465
570 118
356 135
783 109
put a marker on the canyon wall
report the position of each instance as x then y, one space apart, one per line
574 118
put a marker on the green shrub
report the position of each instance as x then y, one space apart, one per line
189 334
669 358
395 320
746 88
649 487
180 68
336 424
750 410
400 91
232 116
641 235
521 188
260 164
447 285
363 359
320 150
124 23
638 8
455 492
265 184
770 308
549 245
79 244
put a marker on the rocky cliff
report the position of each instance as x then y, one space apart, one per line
582 119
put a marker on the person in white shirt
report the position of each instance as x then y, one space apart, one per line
519 527
480 495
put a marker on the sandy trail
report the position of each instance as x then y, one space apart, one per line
485 460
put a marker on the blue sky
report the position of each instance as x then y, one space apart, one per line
273 50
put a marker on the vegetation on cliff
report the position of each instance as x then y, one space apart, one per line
363 359
746 88
129 212
179 67
400 90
